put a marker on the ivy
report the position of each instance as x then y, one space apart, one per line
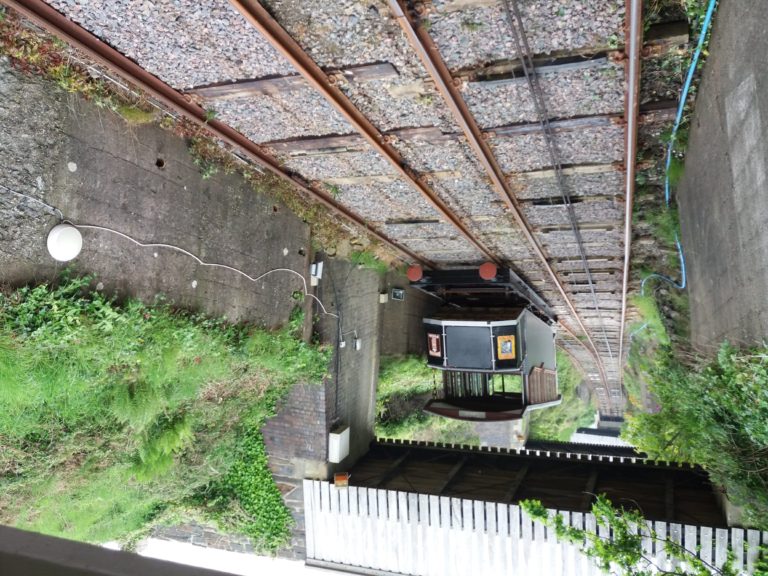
622 552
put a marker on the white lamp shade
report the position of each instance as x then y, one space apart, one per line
64 242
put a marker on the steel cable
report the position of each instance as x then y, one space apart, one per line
524 51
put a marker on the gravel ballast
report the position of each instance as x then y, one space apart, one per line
525 152
600 211
395 200
184 42
346 164
268 117
579 92
576 185
472 37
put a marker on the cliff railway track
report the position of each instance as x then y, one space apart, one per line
454 131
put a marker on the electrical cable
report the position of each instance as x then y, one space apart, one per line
524 52
207 264
23 195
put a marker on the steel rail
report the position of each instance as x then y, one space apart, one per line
526 59
60 26
270 29
429 54
634 32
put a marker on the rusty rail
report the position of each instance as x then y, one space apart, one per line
634 33
60 26
263 21
429 54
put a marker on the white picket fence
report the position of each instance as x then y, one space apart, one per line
385 531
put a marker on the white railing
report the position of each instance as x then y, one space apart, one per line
386 531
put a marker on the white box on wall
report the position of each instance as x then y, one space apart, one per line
338 445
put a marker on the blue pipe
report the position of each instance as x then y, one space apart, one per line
670 148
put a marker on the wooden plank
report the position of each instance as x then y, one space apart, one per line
368 72
382 542
434 543
406 531
327 547
384 178
690 539
666 34
706 542
425 135
753 549
309 516
526 530
393 529
721 546
505 541
357 526
737 546
481 556
444 549
575 555
391 470
493 547
514 485
343 531
318 144
511 75
457 540
661 553
571 171
515 531
452 475
367 528
676 537
457 5
589 491
289 83
669 496
556 125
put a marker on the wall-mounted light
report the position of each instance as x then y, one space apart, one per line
64 242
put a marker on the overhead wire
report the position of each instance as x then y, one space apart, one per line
520 39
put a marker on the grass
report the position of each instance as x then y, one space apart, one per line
403 376
111 414
403 383
368 260
429 428
135 115
560 422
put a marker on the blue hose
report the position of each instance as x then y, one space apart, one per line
684 94
670 148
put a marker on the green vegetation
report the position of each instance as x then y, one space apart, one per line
114 416
713 413
622 553
402 377
560 422
429 428
369 260
472 26
135 115
405 383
